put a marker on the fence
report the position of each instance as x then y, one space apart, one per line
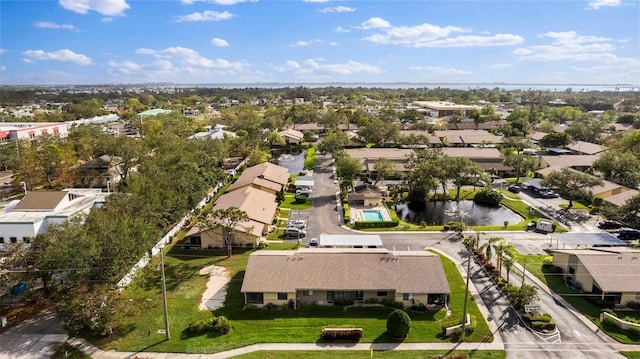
166 239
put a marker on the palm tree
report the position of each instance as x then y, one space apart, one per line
503 249
489 247
509 263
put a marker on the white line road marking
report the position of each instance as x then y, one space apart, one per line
577 333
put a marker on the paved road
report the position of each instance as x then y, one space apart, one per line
35 338
574 340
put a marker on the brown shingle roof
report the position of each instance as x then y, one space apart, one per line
259 205
344 269
621 198
41 201
586 148
262 174
612 270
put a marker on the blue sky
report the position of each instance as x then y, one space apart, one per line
236 41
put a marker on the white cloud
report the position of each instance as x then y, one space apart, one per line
349 68
337 9
217 2
304 43
106 19
3 68
104 7
53 25
293 64
218 42
2 51
188 57
500 66
440 70
207 15
64 55
333 43
597 4
28 61
316 1
341 29
428 35
374 23
568 46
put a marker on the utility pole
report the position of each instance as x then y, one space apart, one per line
524 269
164 298
466 296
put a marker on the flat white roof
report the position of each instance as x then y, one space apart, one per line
305 181
350 240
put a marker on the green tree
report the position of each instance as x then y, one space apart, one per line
333 142
586 128
519 297
348 168
257 157
398 324
461 170
384 169
521 163
631 211
619 167
571 184
229 219
555 139
378 132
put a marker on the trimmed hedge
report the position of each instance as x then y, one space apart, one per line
488 197
350 334
398 324
220 325
343 301
392 303
375 224
346 213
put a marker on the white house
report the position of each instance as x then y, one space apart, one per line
11 131
26 218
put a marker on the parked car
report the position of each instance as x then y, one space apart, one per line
303 191
549 194
514 189
609 225
629 234
368 181
313 242
293 232
297 223
481 184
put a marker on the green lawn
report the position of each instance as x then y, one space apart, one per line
139 323
387 354
631 355
310 160
68 351
290 202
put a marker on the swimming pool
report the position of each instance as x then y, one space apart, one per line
372 215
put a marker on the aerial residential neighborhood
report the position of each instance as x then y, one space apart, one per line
203 179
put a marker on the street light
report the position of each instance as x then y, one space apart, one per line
24 186
108 188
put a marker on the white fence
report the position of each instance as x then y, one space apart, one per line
126 280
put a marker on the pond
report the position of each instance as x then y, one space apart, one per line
293 162
439 212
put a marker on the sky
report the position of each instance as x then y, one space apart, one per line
65 42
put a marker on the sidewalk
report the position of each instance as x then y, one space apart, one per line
97 353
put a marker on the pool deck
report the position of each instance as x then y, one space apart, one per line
357 215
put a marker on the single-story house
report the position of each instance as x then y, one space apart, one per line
370 156
322 275
367 197
260 207
486 158
292 137
265 176
621 198
607 189
578 162
585 148
611 273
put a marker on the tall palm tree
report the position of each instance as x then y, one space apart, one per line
503 249
489 247
509 263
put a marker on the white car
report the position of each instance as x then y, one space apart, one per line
304 191
299 223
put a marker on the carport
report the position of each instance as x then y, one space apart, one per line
587 240
305 181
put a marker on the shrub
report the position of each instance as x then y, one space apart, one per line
610 311
633 305
419 308
488 197
372 300
343 301
398 324
200 327
270 306
469 328
346 213
392 303
634 332
301 199
221 325
354 334
375 224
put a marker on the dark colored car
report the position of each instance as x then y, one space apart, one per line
514 189
629 234
609 225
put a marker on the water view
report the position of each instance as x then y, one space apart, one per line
439 212
293 162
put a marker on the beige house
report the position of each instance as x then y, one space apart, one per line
611 273
607 189
585 148
578 162
367 198
292 137
323 275
259 205
265 176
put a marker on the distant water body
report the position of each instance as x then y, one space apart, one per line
457 86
